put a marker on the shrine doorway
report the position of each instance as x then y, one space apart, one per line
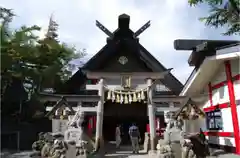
125 115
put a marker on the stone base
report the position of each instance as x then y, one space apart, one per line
152 153
146 145
99 145
153 143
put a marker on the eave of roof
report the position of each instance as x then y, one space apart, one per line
200 48
223 53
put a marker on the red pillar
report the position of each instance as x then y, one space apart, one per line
90 125
148 128
233 106
94 122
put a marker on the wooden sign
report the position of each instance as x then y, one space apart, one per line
126 81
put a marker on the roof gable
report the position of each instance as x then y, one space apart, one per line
124 41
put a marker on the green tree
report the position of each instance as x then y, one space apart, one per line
37 63
16 47
222 13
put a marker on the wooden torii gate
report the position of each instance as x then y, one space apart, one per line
175 103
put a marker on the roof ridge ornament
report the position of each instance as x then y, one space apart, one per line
123 23
142 29
104 29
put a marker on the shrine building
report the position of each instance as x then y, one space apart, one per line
217 74
122 84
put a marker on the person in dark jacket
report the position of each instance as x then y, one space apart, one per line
135 137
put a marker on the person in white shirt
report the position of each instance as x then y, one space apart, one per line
118 136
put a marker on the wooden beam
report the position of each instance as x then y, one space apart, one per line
190 44
104 29
69 98
200 99
142 29
92 87
134 75
159 109
83 109
89 109
168 105
169 99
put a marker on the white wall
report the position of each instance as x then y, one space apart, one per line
219 96
194 126
220 75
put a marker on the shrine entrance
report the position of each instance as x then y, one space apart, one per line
125 115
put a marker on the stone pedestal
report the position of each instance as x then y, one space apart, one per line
99 144
146 145
171 146
164 150
71 152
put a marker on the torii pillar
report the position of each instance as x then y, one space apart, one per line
151 116
99 142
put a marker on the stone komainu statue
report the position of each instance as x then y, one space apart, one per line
177 143
58 150
38 145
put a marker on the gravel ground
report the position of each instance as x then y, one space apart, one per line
23 154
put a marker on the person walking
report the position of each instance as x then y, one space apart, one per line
135 137
118 136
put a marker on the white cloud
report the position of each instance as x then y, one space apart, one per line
170 20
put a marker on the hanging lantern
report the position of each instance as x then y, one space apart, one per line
142 95
65 112
134 97
58 112
139 96
121 99
109 95
125 99
129 97
61 117
113 96
118 98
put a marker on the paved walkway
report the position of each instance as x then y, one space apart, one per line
122 152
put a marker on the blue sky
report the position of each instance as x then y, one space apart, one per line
170 20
